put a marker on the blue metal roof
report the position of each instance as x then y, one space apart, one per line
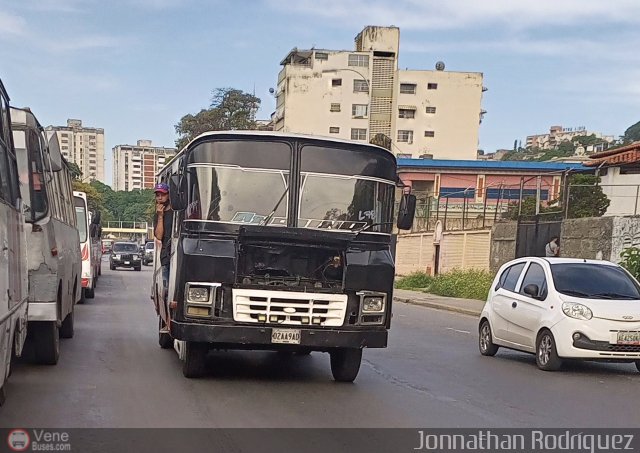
488 165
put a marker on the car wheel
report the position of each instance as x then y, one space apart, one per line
164 338
195 356
546 353
345 363
112 267
139 268
66 329
47 342
485 340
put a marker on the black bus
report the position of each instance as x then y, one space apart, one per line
279 242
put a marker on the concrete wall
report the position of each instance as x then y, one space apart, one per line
590 238
458 250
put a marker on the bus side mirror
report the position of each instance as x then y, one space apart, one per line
406 212
178 192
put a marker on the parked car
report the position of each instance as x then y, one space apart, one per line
560 308
149 252
125 254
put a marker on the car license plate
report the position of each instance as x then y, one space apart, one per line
629 338
127 262
285 336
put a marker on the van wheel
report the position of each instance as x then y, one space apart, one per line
485 340
345 364
90 293
195 355
546 353
164 339
46 337
66 329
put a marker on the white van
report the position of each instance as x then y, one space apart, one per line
89 231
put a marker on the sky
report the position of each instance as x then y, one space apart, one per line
135 67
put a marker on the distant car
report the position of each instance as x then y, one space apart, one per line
125 254
560 308
149 252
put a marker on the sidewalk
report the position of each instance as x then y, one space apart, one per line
467 306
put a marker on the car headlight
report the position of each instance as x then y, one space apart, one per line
136 257
117 257
372 303
577 311
198 294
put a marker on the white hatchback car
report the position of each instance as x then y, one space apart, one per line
560 308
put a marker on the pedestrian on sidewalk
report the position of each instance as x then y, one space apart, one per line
552 248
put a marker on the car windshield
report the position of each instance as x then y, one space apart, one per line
149 246
594 281
129 248
339 202
238 195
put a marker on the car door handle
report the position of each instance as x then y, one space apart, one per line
514 304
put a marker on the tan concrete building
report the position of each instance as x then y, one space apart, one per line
135 167
361 93
83 146
559 134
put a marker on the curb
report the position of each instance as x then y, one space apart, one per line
437 306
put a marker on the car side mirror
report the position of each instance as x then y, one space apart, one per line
532 290
406 212
177 192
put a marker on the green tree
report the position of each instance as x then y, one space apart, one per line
632 134
230 109
95 200
586 198
76 173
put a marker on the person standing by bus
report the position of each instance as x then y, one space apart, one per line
162 224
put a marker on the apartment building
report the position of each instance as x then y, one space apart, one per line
362 95
559 134
135 167
83 146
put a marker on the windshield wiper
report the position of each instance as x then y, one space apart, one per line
267 219
570 292
613 296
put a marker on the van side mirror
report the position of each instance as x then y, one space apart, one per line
406 212
178 192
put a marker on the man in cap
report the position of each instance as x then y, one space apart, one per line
163 223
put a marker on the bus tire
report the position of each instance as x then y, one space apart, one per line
66 329
46 341
90 293
195 355
345 363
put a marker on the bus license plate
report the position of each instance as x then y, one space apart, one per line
632 338
285 336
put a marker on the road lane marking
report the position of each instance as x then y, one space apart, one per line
456 330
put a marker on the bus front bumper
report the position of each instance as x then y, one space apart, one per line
260 336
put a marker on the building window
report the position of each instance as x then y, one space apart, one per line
322 56
334 130
359 110
432 86
429 133
335 107
408 88
431 110
358 134
405 136
360 86
358 60
404 155
336 82
406 113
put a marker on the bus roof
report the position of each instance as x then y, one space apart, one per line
82 195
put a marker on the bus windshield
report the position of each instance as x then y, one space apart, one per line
236 194
338 202
81 218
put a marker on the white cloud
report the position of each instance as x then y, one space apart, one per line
80 43
11 24
457 14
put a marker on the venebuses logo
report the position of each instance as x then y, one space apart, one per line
18 440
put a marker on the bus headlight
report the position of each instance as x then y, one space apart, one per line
372 304
198 294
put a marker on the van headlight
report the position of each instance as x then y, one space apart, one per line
198 294
372 304
577 311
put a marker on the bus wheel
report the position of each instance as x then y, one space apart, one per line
66 329
195 355
345 363
83 296
164 338
47 342
90 293
2 396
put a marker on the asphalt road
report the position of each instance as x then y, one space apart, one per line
113 374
